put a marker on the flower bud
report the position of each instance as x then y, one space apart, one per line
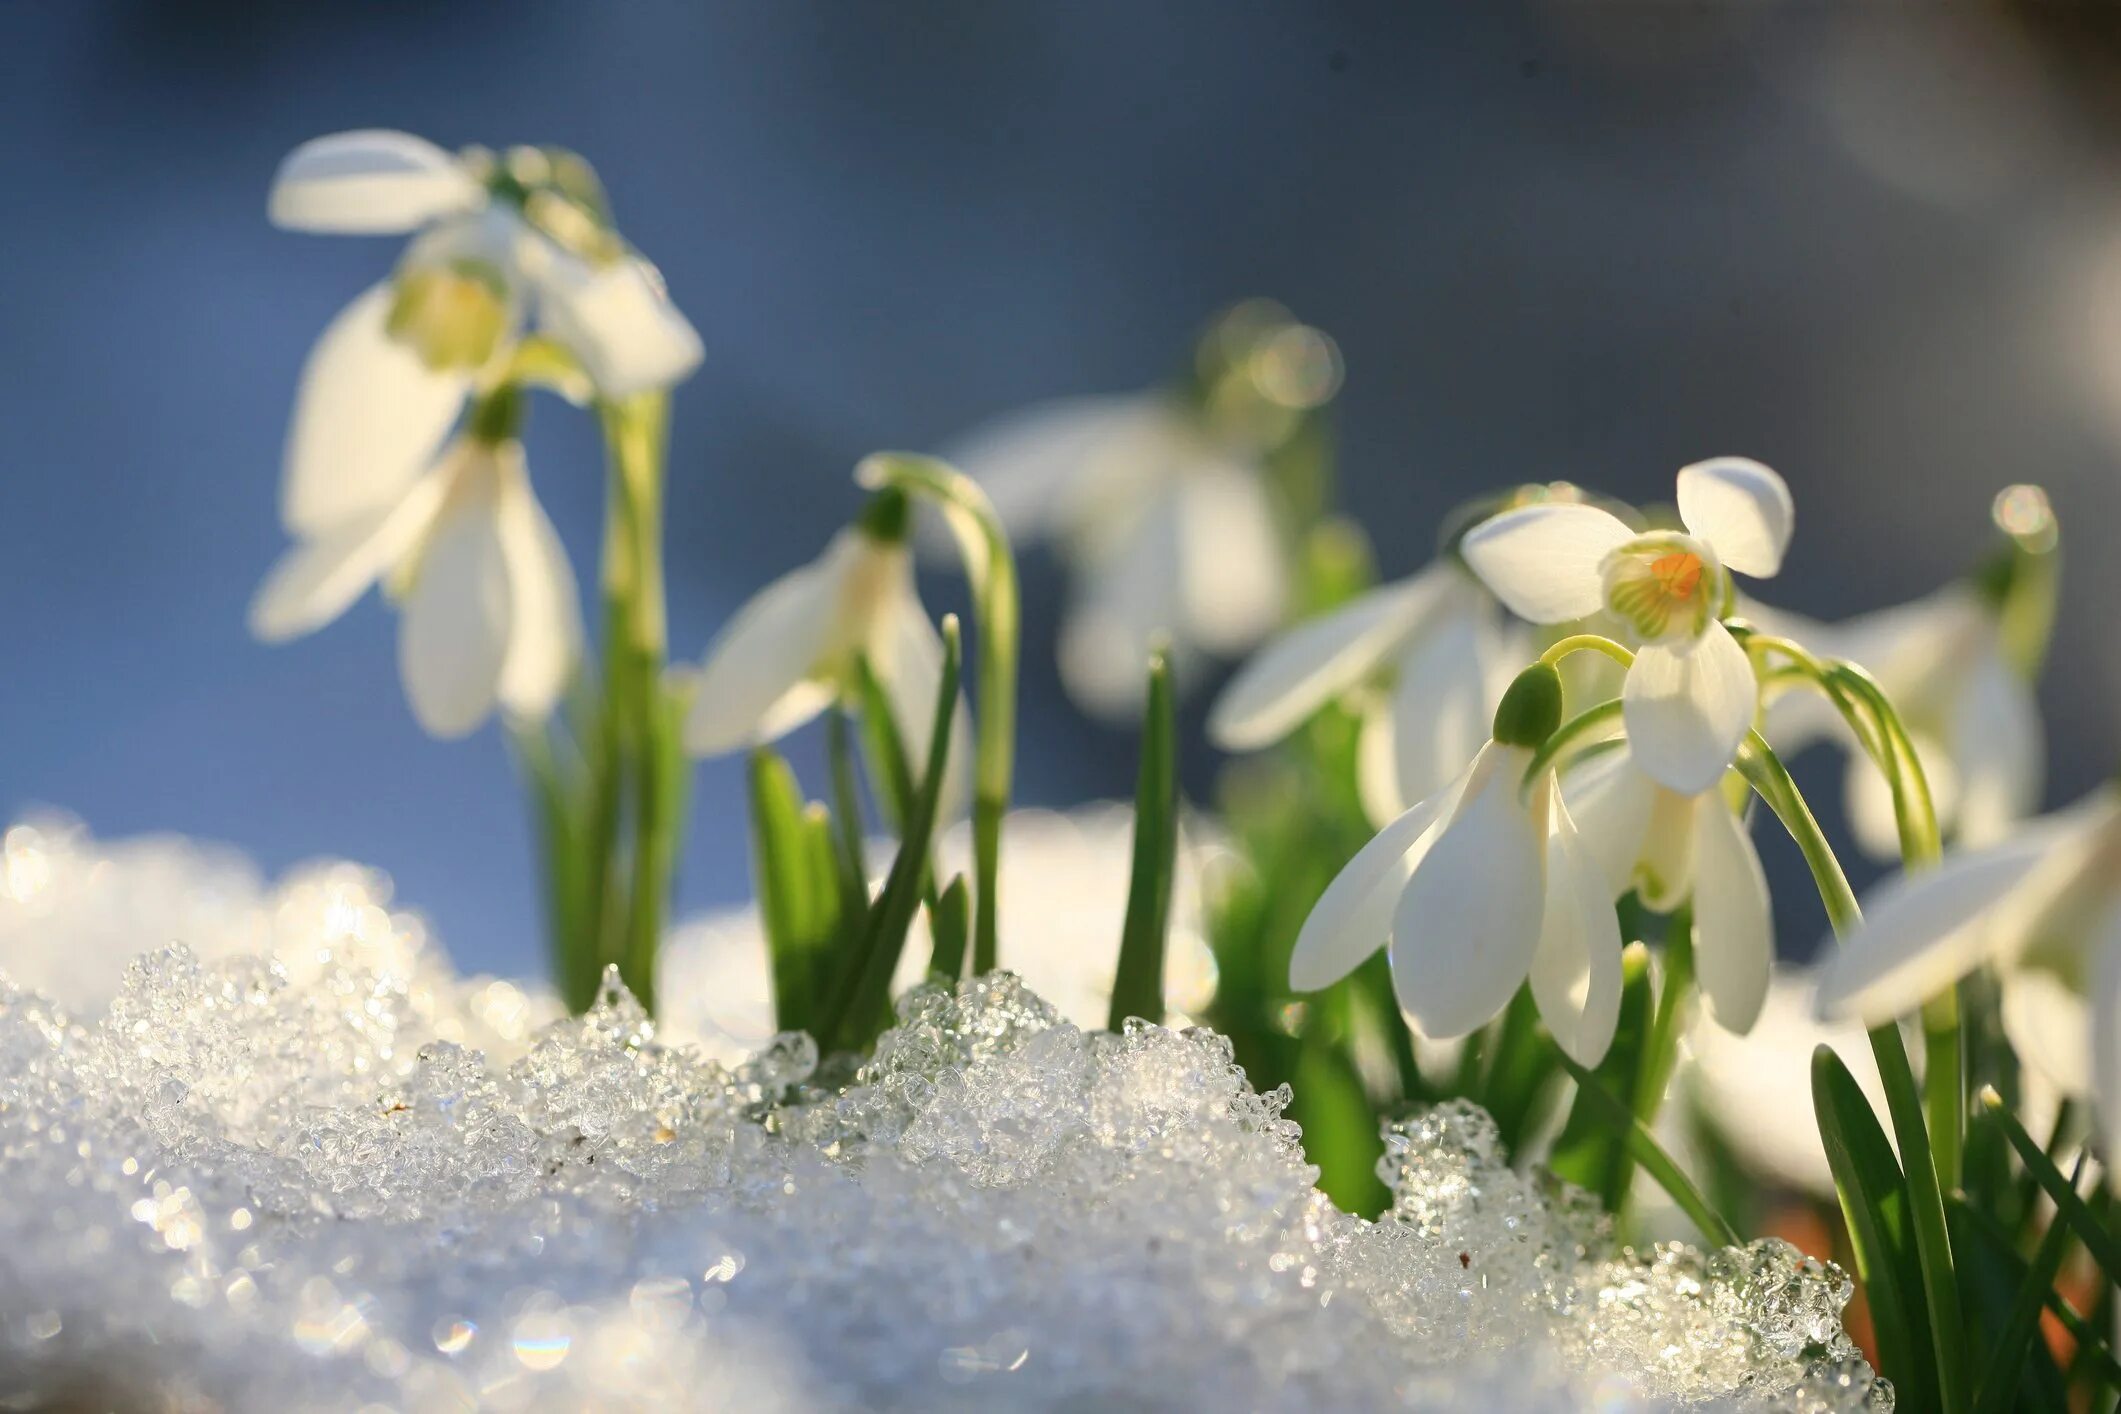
883 520
1531 709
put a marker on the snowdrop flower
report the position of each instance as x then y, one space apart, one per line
2042 906
1162 503
495 241
488 609
790 652
1689 699
1482 885
1442 636
1670 847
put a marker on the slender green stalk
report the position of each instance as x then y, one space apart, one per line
1765 772
990 564
1643 1147
1593 723
2098 1240
560 849
1586 643
1138 982
2006 1361
853 868
1660 1052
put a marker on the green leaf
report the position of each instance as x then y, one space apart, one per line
949 923
1991 1271
798 904
1340 1130
1591 1151
2097 1240
1874 1201
1643 1148
1523 1080
1138 982
862 997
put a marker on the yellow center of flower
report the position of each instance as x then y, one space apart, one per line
1664 587
452 315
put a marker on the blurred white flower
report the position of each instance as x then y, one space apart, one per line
487 601
1063 895
1690 697
1670 848
1161 501
1478 888
2043 906
790 651
1451 653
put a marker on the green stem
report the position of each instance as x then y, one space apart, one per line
1138 981
1767 775
1643 1147
1586 643
991 566
1660 1053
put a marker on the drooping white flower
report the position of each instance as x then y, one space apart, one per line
487 600
2042 906
790 651
1063 895
497 244
1690 696
1161 503
1451 654
1475 890
1671 848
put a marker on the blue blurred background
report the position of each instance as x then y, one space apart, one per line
1878 249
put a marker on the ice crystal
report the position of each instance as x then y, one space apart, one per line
330 1179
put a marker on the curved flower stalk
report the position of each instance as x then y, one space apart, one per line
489 611
1477 889
2043 907
1691 694
1960 666
1675 849
792 650
1442 638
1175 508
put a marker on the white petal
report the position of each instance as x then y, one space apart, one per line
1999 749
453 637
369 418
1442 709
619 321
1688 708
1027 460
2106 1040
1922 932
1734 929
545 627
1542 561
1576 977
1467 925
1282 685
2049 1026
1233 571
1120 605
1376 766
1353 917
1611 800
366 182
1742 509
756 683
318 580
907 657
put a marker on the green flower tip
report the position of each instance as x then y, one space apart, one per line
1531 709
884 518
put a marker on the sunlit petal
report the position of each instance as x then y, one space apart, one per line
757 680
1353 917
619 321
454 631
2106 1037
1467 924
1741 508
1576 976
368 181
1922 932
1283 684
907 656
1026 461
1734 930
318 580
1611 800
1122 604
2049 1026
1441 706
545 630
1543 561
369 418
1233 574
1687 709
2000 750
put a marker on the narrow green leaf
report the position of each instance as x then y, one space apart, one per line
1340 1129
797 902
863 995
1874 1202
1591 1152
949 923
1522 1080
2104 1248
1138 981
1643 1147
2013 1343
